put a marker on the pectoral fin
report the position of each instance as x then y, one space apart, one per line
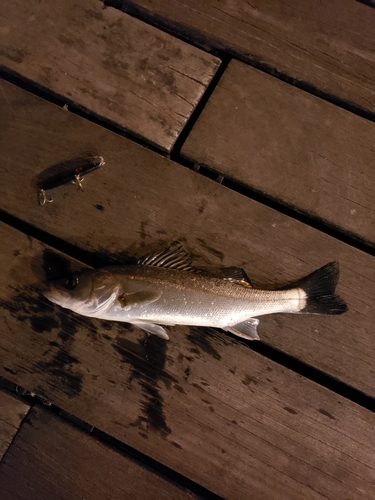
247 329
137 298
152 328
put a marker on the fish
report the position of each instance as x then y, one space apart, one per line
165 289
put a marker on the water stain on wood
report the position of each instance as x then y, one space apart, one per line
147 359
212 250
43 324
55 266
60 366
29 307
201 339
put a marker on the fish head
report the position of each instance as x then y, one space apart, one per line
88 293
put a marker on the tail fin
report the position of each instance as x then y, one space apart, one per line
319 287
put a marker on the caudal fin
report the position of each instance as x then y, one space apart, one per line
319 287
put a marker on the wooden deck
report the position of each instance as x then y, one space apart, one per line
246 133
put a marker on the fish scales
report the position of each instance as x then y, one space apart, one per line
165 290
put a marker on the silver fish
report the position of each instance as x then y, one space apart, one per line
164 289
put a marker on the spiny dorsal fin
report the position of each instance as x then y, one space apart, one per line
172 258
176 257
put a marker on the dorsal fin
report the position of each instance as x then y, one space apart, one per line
176 257
237 275
172 258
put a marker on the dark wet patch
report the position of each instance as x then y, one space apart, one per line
249 380
99 207
290 410
105 258
60 366
31 307
55 266
43 324
147 359
326 414
107 325
25 304
201 339
212 250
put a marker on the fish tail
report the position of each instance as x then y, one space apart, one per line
319 288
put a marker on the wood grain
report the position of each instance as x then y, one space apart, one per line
140 201
326 46
108 63
51 459
291 146
201 398
12 412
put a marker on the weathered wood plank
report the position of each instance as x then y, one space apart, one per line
108 63
12 413
140 199
51 459
290 145
326 46
201 398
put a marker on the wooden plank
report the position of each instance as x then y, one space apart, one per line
201 398
139 200
106 62
12 412
51 459
328 47
291 146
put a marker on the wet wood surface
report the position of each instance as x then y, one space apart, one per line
200 398
50 458
107 63
326 47
291 146
140 201
12 412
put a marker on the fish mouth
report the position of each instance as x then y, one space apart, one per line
56 296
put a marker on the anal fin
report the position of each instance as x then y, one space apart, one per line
247 329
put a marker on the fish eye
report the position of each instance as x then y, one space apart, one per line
71 283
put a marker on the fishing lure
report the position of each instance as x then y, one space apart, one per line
75 175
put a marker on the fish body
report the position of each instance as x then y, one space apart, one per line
167 291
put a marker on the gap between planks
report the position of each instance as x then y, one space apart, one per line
30 400
281 358
175 155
